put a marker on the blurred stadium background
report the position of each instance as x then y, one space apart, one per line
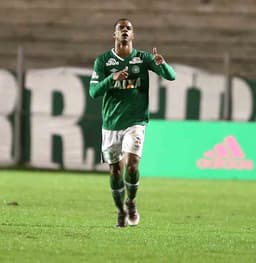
47 51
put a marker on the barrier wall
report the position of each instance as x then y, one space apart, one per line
61 125
192 149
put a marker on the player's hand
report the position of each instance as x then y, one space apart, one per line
158 57
121 75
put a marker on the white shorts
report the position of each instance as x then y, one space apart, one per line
116 143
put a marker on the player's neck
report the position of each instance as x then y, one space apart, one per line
122 50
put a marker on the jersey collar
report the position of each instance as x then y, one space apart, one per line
122 59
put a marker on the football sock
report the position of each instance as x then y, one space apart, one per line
118 191
132 184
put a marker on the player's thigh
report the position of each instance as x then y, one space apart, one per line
133 140
111 146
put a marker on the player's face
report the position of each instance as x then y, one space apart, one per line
124 31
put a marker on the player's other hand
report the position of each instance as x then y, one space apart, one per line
121 75
158 57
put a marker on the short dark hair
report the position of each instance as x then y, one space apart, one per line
119 20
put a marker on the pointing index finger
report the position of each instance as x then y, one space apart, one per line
154 51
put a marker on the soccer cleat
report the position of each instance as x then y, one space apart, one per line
133 215
122 219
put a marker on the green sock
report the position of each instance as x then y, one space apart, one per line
132 183
118 191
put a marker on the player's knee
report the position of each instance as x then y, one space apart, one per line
115 170
132 167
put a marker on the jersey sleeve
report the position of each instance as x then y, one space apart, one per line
99 83
164 70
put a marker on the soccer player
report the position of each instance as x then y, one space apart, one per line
121 76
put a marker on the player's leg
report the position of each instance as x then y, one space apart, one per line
118 191
117 184
132 175
132 184
112 154
132 146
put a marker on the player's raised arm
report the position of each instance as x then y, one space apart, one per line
160 67
158 57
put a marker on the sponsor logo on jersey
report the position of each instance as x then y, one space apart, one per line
127 84
112 62
136 60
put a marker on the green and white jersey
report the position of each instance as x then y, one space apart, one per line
125 103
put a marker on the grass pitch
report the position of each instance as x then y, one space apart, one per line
61 217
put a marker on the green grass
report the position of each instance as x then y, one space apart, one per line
64 217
